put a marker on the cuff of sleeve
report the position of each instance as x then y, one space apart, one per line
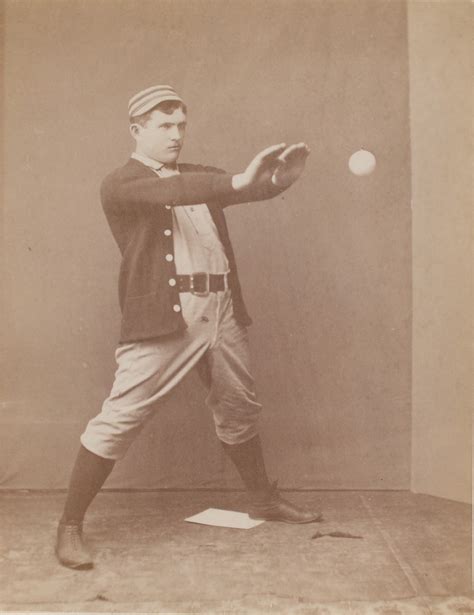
223 185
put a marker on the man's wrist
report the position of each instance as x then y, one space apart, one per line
238 182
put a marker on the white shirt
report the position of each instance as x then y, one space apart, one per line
196 242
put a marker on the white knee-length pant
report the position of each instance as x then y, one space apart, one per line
150 369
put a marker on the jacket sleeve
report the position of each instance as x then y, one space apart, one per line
249 195
262 192
143 193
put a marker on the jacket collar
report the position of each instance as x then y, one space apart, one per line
151 163
139 166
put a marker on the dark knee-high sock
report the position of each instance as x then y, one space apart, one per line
248 459
89 474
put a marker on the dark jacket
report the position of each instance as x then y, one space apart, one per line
137 204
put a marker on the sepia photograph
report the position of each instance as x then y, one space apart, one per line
236 307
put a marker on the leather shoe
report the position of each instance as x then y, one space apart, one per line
270 506
70 549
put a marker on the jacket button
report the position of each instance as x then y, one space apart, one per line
177 308
167 232
172 282
167 206
169 257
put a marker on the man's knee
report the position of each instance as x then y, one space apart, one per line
109 439
237 425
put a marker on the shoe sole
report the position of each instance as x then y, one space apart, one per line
73 566
77 566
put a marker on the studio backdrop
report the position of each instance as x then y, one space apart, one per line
325 267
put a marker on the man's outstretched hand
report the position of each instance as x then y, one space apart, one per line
291 165
261 169
281 164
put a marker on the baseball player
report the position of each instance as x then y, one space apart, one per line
181 307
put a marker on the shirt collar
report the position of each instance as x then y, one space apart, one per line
149 162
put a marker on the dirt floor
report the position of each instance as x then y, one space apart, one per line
414 556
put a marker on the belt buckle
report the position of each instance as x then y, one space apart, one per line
193 278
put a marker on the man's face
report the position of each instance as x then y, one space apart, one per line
163 136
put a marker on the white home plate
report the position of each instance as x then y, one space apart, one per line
224 518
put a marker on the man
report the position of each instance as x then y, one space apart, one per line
181 305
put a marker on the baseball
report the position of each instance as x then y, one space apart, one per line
362 162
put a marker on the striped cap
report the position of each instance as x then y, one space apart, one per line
149 98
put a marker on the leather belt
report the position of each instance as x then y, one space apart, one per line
202 283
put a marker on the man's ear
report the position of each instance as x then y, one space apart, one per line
134 130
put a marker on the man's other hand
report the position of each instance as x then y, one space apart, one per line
261 169
291 165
